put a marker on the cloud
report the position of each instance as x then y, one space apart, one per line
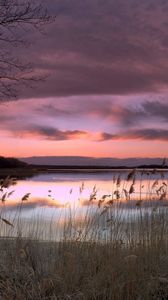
102 48
81 117
156 109
145 112
141 134
48 133
55 134
122 114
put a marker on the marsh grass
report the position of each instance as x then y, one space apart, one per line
102 255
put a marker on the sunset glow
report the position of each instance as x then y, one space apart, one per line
106 86
30 130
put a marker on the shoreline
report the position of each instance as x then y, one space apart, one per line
23 173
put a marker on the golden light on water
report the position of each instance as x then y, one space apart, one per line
52 200
74 193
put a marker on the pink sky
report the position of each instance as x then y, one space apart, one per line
114 128
107 86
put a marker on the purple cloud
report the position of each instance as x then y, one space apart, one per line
102 48
141 134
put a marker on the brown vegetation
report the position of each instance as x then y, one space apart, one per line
128 260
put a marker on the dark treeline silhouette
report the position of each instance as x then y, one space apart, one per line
11 163
6 162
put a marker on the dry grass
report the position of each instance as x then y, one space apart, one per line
84 270
128 260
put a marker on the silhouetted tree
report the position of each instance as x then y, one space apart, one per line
17 17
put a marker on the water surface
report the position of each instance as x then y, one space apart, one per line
52 196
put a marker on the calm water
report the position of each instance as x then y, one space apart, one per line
54 195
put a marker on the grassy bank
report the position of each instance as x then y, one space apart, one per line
136 269
131 264
104 257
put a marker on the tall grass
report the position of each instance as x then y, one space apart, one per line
109 253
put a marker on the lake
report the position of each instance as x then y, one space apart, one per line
54 197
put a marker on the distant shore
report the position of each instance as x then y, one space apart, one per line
19 173
32 170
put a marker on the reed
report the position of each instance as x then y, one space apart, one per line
102 255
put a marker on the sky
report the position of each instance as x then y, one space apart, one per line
106 87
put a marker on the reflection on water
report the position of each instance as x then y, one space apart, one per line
54 196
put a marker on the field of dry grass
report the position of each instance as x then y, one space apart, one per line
130 262
85 270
